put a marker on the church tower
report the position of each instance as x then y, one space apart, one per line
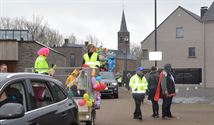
123 36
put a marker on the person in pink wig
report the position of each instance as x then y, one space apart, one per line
41 65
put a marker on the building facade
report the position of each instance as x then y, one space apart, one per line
18 53
186 41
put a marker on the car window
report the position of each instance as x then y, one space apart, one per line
42 95
107 75
14 93
58 93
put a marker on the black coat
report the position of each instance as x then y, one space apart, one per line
152 83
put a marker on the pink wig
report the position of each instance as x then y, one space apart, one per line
43 51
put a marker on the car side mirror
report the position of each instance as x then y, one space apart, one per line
11 110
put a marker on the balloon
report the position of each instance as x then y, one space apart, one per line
89 103
81 102
102 85
98 78
85 96
70 93
84 65
97 87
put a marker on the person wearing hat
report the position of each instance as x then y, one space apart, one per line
91 58
138 85
168 90
41 65
153 78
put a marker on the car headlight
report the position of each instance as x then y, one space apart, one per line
114 83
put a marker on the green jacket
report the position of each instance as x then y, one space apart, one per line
41 65
137 84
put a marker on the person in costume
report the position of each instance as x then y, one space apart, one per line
41 65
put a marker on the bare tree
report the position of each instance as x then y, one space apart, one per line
136 51
38 29
94 40
72 39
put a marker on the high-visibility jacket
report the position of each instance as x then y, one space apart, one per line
92 62
41 65
137 84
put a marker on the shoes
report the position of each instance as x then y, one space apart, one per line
155 116
135 117
140 117
171 116
165 118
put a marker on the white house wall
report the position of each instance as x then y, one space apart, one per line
175 50
209 43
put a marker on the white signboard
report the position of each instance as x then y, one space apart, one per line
155 56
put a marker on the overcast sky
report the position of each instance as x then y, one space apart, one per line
100 18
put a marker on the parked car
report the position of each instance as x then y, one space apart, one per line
112 86
35 99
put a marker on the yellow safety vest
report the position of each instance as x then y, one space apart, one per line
92 62
137 84
41 65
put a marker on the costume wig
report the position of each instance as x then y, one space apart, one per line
43 51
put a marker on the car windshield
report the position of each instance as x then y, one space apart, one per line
107 75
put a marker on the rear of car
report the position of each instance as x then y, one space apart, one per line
35 99
112 86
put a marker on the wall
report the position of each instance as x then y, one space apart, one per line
209 56
28 54
175 50
8 50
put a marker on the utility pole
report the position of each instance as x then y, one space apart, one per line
155 29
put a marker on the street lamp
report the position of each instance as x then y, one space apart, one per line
155 29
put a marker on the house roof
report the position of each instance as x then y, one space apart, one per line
41 44
195 16
209 15
123 27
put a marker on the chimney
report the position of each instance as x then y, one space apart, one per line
66 42
86 43
203 11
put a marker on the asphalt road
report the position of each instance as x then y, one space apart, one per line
120 112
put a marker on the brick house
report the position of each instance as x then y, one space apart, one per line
18 53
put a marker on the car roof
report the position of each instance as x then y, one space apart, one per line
4 77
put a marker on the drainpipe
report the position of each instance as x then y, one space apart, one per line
203 37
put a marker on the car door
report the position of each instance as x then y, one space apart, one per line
50 108
15 89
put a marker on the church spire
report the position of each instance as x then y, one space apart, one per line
123 27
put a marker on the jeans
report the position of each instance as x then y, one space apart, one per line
166 107
155 107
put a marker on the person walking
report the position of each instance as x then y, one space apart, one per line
168 90
153 78
138 85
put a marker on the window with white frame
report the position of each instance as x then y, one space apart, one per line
179 32
191 52
145 54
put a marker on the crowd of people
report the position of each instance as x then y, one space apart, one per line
156 85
